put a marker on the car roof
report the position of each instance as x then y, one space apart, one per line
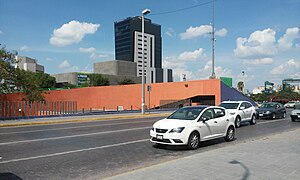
192 107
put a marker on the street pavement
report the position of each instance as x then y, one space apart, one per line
271 157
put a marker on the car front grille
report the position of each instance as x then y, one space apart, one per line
161 140
161 130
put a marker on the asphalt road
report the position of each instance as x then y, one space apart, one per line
95 150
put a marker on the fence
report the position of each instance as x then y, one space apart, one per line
9 109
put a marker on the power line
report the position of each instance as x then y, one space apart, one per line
183 9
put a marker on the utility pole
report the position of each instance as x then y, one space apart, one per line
213 75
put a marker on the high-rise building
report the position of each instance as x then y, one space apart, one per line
128 47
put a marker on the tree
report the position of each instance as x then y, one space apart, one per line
17 80
126 81
98 80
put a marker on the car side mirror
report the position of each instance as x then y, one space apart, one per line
242 108
203 119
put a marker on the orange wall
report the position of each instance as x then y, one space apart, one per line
130 95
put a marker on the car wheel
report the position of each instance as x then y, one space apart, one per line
230 134
194 140
284 115
293 119
274 116
237 122
253 120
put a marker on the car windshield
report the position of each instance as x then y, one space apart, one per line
190 113
268 105
229 105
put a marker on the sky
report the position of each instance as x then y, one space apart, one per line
259 38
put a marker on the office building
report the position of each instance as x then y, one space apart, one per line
128 47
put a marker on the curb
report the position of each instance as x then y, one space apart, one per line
83 120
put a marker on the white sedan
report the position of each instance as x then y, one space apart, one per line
190 125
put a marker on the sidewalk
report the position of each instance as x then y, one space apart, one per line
82 118
272 157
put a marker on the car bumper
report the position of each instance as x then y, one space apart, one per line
295 116
260 115
168 138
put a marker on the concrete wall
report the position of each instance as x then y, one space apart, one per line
129 96
115 67
71 78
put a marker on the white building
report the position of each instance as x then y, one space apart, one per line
258 90
28 64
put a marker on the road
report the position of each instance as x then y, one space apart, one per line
99 149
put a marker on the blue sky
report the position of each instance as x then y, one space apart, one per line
261 38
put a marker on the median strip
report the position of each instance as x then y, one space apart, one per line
82 120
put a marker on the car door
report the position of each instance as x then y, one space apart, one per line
214 123
242 111
220 122
206 124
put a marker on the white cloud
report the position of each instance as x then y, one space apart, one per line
222 32
203 30
286 41
87 50
98 55
179 64
65 64
289 68
171 32
193 32
260 44
72 32
1 32
259 61
49 59
187 55
24 48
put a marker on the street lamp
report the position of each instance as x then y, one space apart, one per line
145 12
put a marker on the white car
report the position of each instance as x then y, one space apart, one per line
290 104
295 114
242 111
190 125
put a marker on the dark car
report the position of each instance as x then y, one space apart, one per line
271 110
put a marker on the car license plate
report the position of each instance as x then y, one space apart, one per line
160 137
261 115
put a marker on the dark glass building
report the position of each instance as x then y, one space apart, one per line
125 48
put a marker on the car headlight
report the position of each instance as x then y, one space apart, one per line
268 112
177 130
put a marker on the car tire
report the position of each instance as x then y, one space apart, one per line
293 119
194 140
253 120
284 115
273 116
230 134
237 122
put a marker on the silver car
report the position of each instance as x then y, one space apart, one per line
295 114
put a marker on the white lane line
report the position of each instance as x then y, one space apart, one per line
72 136
74 151
77 127
271 121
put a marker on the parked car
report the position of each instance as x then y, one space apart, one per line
295 114
242 111
191 125
290 104
271 110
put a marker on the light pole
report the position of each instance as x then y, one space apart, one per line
145 12
213 75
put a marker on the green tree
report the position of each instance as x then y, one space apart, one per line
126 81
98 80
16 80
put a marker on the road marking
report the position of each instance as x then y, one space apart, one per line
72 136
77 127
271 121
74 151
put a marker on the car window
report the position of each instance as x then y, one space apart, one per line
243 105
219 112
208 114
229 105
248 105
